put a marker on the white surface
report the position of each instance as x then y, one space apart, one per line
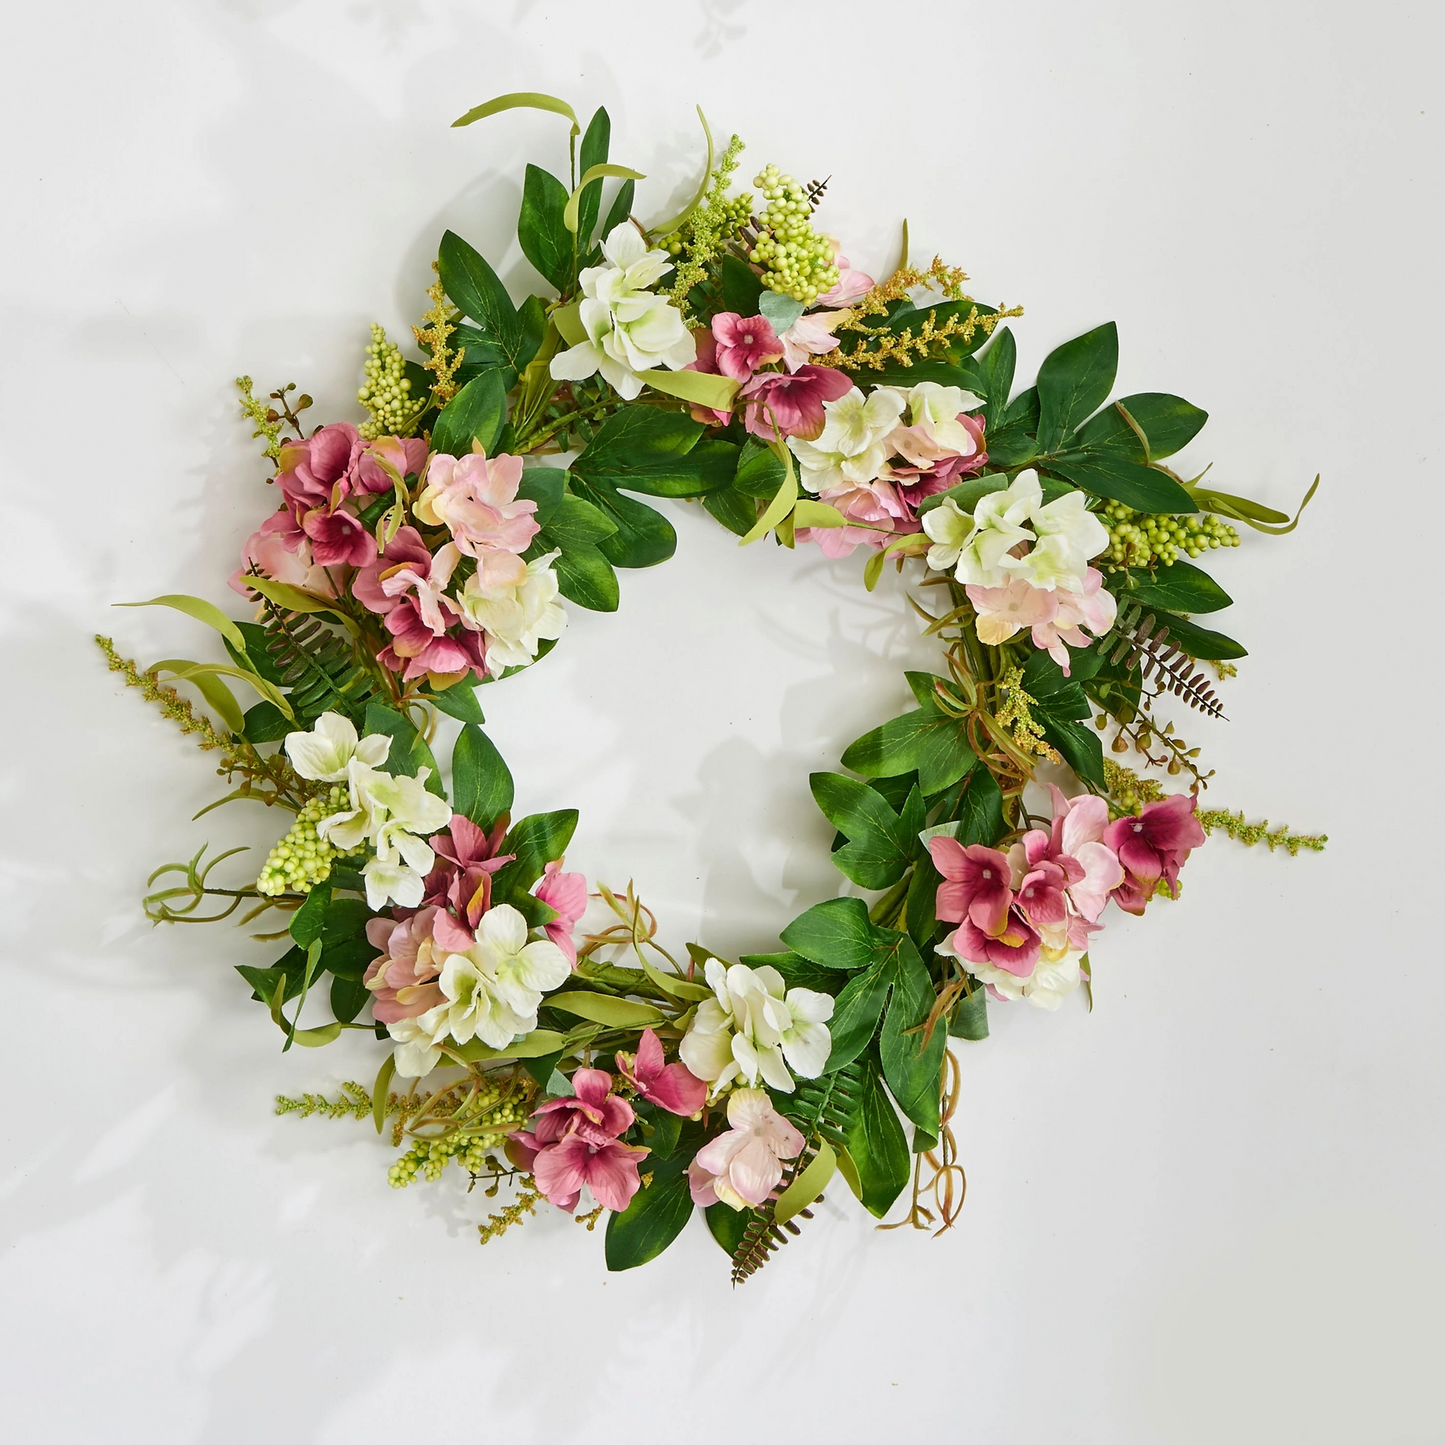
1207 1212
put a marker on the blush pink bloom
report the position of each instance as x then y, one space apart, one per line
1003 611
567 893
876 504
776 403
810 335
1075 842
338 538
919 446
743 1165
1152 846
1094 608
975 884
407 455
850 284
743 344
673 1087
403 980
317 472
574 1141
281 551
476 499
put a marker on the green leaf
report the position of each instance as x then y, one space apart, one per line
482 787
778 310
995 371
604 1008
265 723
836 934
620 209
808 1185
593 176
201 610
741 286
856 1012
878 849
458 701
409 752
978 808
927 740
673 223
473 286
641 449
760 471
733 509
969 1019
546 242
728 1225
348 997
910 1065
1074 381
1198 642
536 840
256 655
700 388
536 1045
309 920
643 536
923 897
592 152
966 495
797 971
586 578
545 486
1113 475
1169 422
380 1089
1055 694
478 410
529 99
878 1148
1080 747
1181 588
584 575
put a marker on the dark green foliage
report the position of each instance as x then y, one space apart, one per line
478 411
654 1217
317 665
482 787
409 752
881 842
546 241
877 1146
1178 588
927 740
584 575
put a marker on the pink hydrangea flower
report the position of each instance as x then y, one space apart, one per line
338 538
460 885
777 403
743 344
875 503
1152 846
575 1141
475 498
1075 842
673 1087
810 335
743 1165
1094 608
403 980
406 455
567 893
1005 610
280 550
317 472
976 894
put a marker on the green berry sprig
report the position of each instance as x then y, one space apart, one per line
1140 539
386 390
302 859
796 260
470 1146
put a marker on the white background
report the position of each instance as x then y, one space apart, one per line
1207 1212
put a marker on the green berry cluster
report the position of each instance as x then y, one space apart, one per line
732 213
796 260
469 1146
1140 539
301 859
386 391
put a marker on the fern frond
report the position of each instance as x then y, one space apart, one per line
1135 641
317 664
821 1109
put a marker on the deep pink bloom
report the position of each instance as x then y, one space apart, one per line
460 885
406 549
1015 949
338 538
1152 846
743 344
317 472
574 1141
1041 895
403 979
407 455
777 403
673 1087
975 885
567 893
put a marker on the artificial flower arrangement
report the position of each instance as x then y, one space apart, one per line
729 354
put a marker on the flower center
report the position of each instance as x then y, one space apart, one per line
748 338
1138 827
987 874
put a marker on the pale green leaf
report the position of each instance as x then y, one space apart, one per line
594 173
201 610
520 99
602 1008
808 1185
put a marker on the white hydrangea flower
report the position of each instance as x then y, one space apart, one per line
755 1025
932 418
516 614
323 754
491 992
853 446
629 329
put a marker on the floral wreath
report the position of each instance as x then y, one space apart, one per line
731 355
